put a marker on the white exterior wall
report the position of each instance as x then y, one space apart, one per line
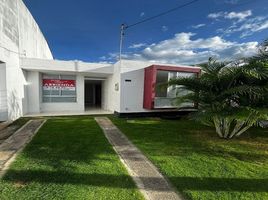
35 104
92 69
31 39
19 35
127 99
33 92
131 94
111 97
107 87
81 70
131 98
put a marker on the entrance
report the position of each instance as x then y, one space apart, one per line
93 94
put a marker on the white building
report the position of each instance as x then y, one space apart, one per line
31 82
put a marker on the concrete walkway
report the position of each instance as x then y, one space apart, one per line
147 177
3 125
7 132
68 113
15 143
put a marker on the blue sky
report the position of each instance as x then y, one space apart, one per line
89 30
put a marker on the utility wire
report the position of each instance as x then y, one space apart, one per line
124 26
161 14
210 11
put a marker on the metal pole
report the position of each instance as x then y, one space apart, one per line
122 33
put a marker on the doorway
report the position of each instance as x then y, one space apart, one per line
93 91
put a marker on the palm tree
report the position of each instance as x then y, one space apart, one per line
232 97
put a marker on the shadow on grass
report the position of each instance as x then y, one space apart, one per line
118 181
64 177
188 148
65 143
221 184
184 138
73 153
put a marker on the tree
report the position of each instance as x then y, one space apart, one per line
232 97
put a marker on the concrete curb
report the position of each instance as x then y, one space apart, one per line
3 125
147 177
15 153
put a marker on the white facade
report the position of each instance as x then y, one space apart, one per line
132 85
122 84
35 68
20 36
25 61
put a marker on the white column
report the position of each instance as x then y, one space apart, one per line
33 91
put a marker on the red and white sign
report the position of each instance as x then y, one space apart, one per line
55 84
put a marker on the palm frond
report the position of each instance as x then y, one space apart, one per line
252 92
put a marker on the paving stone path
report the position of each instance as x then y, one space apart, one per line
7 132
147 177
3 125
15 143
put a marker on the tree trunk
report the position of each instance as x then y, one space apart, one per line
228 128
217 123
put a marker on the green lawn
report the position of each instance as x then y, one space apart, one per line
69 158
199 164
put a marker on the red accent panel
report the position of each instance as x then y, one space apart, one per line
149 83
150 74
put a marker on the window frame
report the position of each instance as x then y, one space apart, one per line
60 96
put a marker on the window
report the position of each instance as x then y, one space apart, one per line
58 88
161 80
165 95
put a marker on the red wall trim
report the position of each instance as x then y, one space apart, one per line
149 85
150 81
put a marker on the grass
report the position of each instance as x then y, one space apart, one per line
69 158
199 164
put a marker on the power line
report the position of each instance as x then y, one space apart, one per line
124 27
160 14
217 10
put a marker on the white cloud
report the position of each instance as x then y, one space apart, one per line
242 23
262 26
248 27
164 28
182 49
103 57
137 46
198 26
105 62
240 16
215 15
231 1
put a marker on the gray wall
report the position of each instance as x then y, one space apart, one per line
20 36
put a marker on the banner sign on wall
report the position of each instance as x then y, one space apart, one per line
55 84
